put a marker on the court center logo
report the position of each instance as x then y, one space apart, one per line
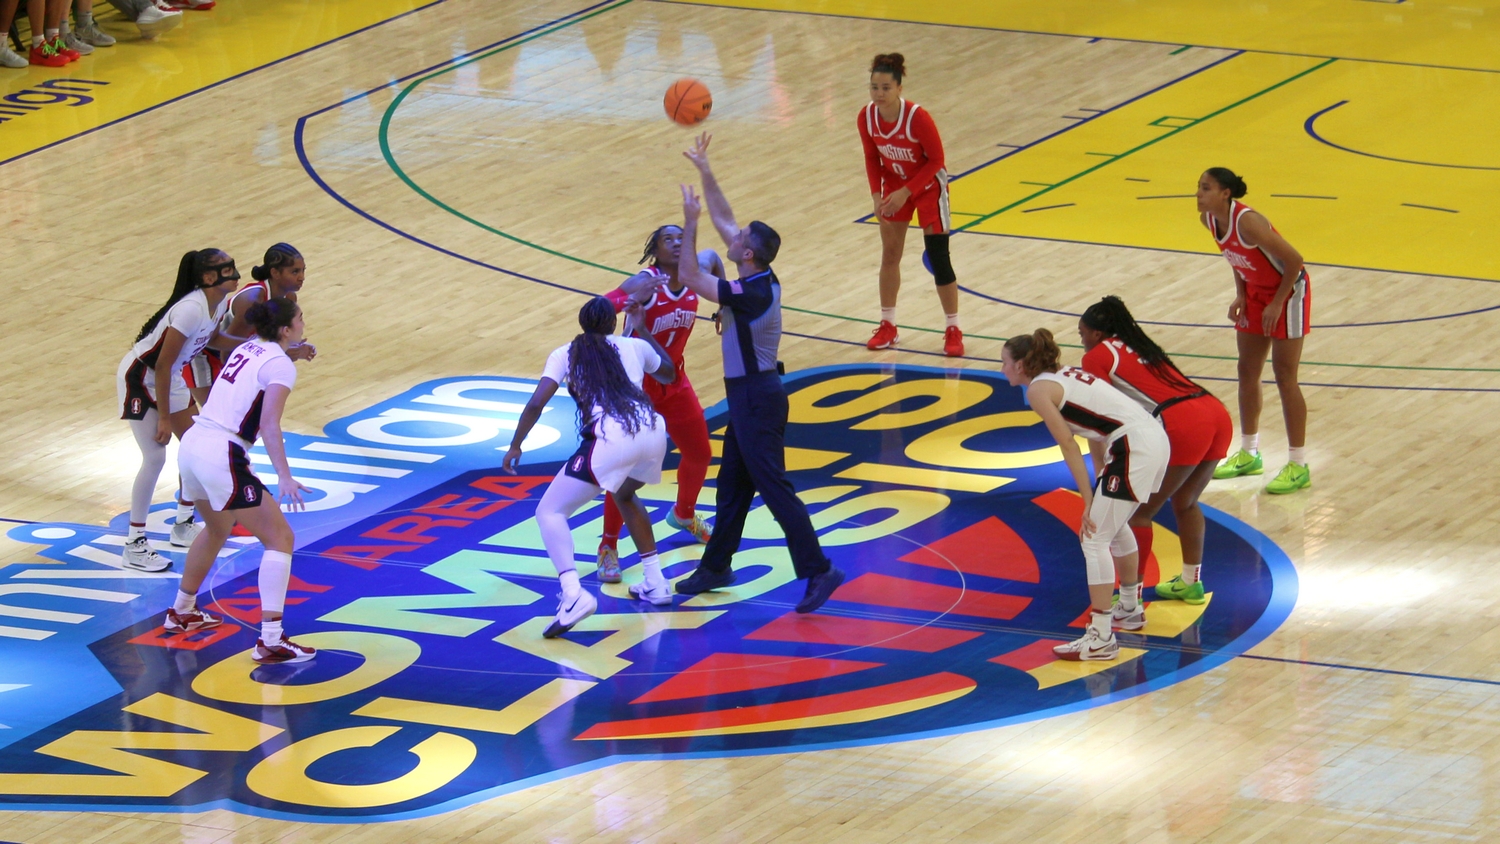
422 579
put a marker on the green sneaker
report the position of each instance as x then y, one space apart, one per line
1241 462
1176 590
1292 477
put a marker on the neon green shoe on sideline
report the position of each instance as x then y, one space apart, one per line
1241 462
1176 590
1292 477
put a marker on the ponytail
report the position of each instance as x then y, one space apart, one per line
1110 316
1037 352
190 272
270 316
892 63
1227 179
280 255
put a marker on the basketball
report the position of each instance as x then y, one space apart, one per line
688 102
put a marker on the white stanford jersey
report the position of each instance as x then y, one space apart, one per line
192 318
1093 409
234 404
636 355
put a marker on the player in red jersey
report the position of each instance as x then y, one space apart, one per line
1271 313
1198 428
904 163
670 312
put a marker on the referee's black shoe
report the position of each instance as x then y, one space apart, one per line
704 580
819 588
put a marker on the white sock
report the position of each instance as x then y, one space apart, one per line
652 564
270 632
184 512
888 315
1191 574
1100 623
275 573
137 532
51 34
1130 597
1250 443
570 585
185 603
951 319
1297 455
37 40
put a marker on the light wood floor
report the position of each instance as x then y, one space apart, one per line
561 143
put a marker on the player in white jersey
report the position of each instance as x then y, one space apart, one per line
1132 449
624 441
246 403
152 372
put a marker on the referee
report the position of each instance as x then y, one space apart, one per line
754 444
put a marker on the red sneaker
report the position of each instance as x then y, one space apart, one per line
953 342
189 621
63 50
885 337
44 55
284 651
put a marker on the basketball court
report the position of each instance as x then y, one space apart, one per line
461 174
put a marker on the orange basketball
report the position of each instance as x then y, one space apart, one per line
688 102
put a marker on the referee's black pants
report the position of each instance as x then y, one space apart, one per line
755 461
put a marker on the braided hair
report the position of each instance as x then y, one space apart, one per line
654 241
596 376
278 256
190 272
1110 316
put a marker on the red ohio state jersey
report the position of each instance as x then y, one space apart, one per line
907 153
1119 364
670 318
1255 265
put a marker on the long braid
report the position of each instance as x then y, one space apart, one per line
1110 316
189 278
596 376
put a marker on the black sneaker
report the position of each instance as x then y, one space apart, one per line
704 580
819 588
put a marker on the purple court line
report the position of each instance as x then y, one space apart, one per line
1364 386
223 81
1390 671
1311 130
1024 306
18 521
1087 38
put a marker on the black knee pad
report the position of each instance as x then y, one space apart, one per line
937 256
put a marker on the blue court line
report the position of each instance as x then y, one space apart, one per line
223 81
1027 307
19 522
1392 671
1364 386
1312 131
1089 38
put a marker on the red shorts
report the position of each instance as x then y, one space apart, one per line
930 207
1199 430
201 372
1296 315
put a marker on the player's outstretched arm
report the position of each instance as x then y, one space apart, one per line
691 273
545 390
718 205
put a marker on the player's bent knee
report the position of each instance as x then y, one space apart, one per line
1123 544
937 255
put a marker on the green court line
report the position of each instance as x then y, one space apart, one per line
390 159
1184 48
1172 132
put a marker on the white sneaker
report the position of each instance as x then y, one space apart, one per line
92 34
1089 646
570 613
183 533
661 596
153 22
10 58
76 44
1133 620
139 556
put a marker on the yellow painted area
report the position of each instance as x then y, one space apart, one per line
1127 177
854 716
1061 671
931 478
601 659
385 656
283 775
208 47
1168 619
1167 548
136 775
508 721
809 405
1453 34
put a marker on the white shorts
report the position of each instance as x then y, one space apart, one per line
610 456
132 381
216 468
1136 462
